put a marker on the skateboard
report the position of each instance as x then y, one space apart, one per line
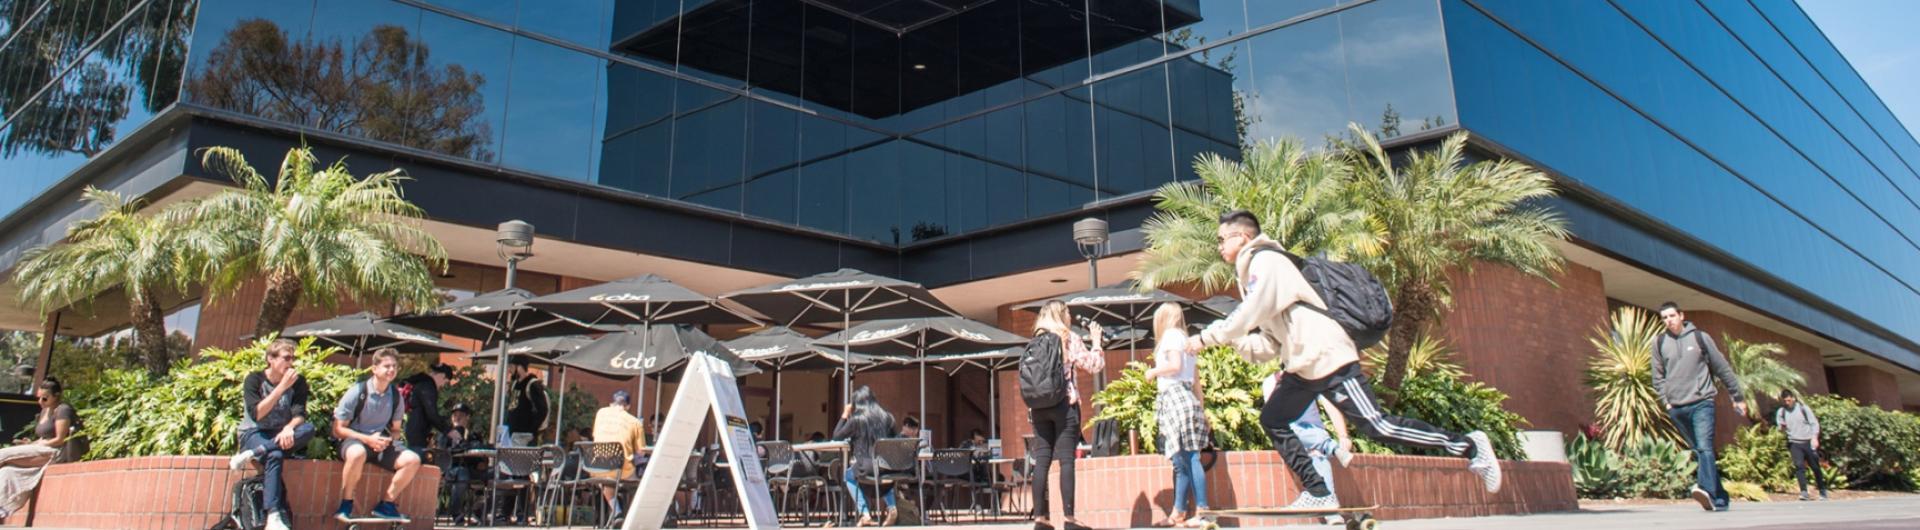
354 523
1358 517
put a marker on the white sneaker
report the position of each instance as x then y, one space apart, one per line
1309 502
1343 455
276 521
240 460
1484 462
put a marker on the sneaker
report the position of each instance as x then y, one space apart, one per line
1343 455
1701 496
277 521
345 512
386 510
1484 462
1071 525
1805 497
1333 520
240 460
1308 502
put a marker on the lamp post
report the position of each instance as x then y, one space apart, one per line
1090 235
513 243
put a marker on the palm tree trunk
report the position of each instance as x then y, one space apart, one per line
150 332
1411 315
283 295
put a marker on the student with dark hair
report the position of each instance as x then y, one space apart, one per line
1803 441
423 406
364 423
21 465
273 425
862 423
527 417
1685 363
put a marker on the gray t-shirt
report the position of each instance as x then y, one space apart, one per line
377 415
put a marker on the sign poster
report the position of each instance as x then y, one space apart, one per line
708 385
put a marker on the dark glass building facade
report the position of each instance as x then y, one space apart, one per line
1726 144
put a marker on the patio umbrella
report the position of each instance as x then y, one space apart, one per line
650 350
780 348
542 351
1223 304
499 316
845 295
993 362
918 338
640 300
1124 305
363 332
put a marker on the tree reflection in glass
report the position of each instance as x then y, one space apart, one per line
377 87
66 84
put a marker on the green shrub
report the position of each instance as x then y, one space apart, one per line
1437 391
1747 491
1645 467
1231 389
1758 455
195 408
1596 469
1872 447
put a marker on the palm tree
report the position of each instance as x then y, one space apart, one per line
1298 195
121 247
1440 214
1761 372
1625 405
313 233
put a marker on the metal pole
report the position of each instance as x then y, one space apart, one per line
776 404
500 372
1093 282
560 416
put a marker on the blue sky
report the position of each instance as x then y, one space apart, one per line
1877 36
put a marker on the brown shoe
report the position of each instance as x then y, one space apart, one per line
893 516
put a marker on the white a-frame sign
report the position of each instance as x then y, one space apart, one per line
708 385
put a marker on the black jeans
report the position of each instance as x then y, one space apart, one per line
1347 389
1805 457
1056 434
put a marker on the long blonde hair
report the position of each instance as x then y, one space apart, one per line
1167 318
1054 318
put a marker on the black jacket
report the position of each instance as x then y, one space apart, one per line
529 410
423 410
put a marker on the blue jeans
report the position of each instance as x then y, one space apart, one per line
1188 473
268 453
1695 422
859 493
1319 444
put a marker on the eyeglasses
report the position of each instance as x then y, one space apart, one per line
42 399
281 358
1223 239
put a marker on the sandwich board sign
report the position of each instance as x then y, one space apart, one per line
708 385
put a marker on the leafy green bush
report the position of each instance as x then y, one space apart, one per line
1746 491
195 408
1437 391
1231 388
1645 467
1872 447
1596 469
1758 455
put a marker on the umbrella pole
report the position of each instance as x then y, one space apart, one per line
846 347
499 417
560 417
776 404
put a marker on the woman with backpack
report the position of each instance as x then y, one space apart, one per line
1053 404
862 423
1182 419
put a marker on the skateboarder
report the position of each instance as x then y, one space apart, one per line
1320 358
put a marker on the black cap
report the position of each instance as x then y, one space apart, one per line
460 407
441 368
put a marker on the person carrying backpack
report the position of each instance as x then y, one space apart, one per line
1320 354
1053 404
1803 441
365 421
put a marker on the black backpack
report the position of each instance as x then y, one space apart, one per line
1043 379
1354 297
249 509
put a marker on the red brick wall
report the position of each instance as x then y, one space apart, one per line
1528 338
192 492
1134 491
1869 385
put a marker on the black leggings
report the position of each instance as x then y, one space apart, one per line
1348 391
1805 457
1056 434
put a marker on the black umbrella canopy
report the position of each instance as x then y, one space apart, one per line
921 336
992 361
1223 304
650 350
488 317
781 348
646 299
363 332
1124 304
539 351
843 295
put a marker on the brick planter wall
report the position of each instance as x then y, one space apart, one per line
191 492
1135 491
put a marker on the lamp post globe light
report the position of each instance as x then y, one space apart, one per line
1090 235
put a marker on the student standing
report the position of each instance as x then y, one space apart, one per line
1053 404
1182 419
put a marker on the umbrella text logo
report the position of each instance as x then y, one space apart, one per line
820 286
620 297
1109 299
312 332
756 352
881 334
637 361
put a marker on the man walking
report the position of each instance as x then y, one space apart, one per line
273 423
1803 441
368 415
1685 362
1320 359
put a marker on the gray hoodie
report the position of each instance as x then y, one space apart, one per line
1681 368
1799 422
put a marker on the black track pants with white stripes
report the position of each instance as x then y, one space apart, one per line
1347 390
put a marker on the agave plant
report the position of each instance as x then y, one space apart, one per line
1620 376
1761 372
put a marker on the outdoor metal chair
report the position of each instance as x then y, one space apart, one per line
951 471
602 464
788 472
833 470
895 463
513 470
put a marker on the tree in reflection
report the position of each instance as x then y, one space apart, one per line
70 76
380 86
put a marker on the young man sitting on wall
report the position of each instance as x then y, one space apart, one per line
364 423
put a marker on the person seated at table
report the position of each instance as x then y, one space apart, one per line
458 439
22 465
977 441
273 425
910 428
862 423
613 424
364 423
759 432
817 437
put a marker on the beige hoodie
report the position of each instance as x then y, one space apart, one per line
1275 298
